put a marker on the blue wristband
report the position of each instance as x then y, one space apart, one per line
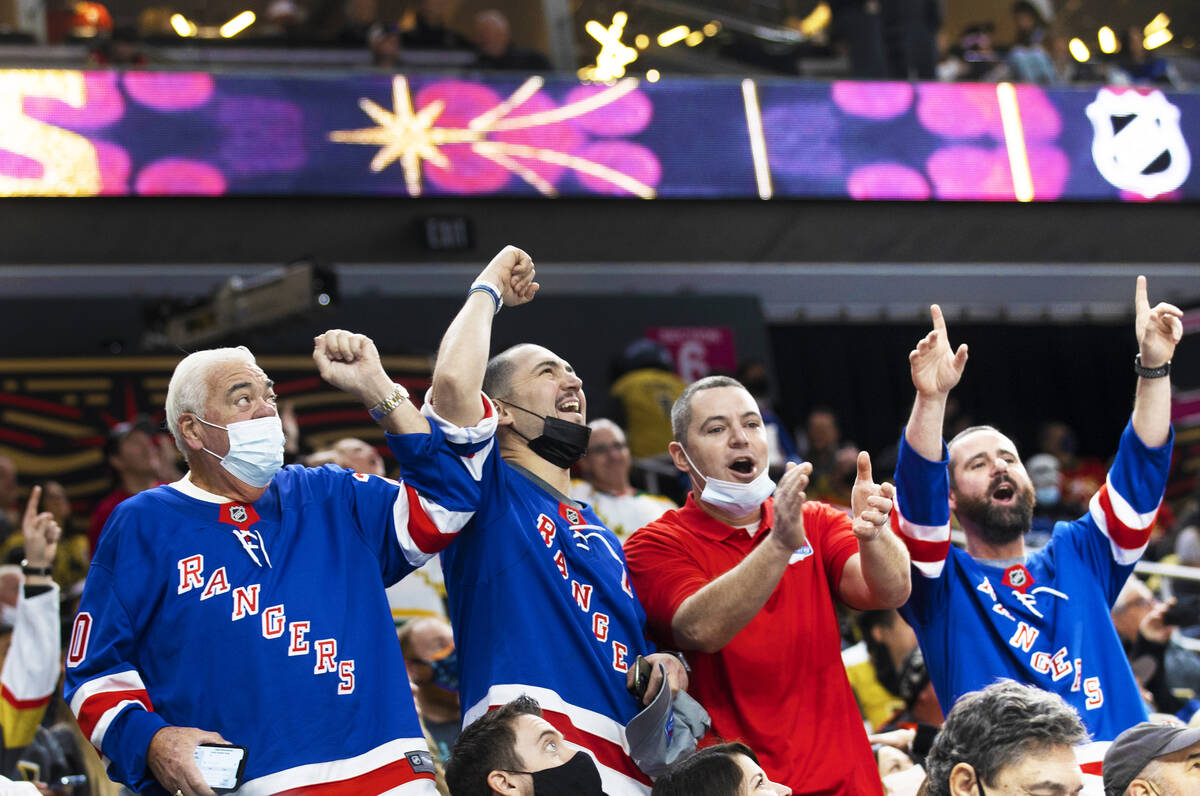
490 289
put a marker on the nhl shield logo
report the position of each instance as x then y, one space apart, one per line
1138 145
238 514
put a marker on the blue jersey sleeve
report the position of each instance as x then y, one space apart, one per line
1112 536
103 686
922 521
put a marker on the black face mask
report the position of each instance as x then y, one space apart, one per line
561 442
576 777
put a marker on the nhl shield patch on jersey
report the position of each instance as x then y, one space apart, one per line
421 762
1017 577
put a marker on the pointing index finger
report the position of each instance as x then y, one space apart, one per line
31 508
1141 303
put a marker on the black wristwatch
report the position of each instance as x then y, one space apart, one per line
1150 373
32 570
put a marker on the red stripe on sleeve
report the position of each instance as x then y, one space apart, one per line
95 707
23 704
421 528
605 751
925 552
1122 535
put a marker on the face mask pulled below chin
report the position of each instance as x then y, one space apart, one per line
562 443
255 449
576 777
736 498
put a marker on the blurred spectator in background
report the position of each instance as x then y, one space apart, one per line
1028 57
781 446
359 18
728 769
283 20
859 25
1049 506
429 657
494 47
384 41
74 551
645 387
1136 66
820 446
973 58
873 665
142 459
431 28
10 519
122 47
1141 623
605 485
359 456
1081 477
910 38
1012 738
29 638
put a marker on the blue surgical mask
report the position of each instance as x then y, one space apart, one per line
445 672
1047 495
255 449
733 496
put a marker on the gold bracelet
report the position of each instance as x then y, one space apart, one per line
384 408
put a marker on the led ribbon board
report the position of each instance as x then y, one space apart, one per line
98 133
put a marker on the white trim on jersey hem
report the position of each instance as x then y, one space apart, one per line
313 774
464 435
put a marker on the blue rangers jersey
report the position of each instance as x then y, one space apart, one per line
540 599
1045 622
265 622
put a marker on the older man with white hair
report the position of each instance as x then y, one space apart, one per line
245 604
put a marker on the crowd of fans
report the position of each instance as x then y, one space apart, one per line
802 676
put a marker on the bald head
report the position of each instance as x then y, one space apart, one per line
497 378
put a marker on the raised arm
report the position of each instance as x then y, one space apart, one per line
935 371
351 363
463 355
1158 330
878 576
710 618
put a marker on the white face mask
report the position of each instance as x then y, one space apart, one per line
734 497
255 449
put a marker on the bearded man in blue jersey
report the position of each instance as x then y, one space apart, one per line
540 599
245 602
995 609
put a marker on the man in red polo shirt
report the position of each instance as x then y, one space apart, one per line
746 582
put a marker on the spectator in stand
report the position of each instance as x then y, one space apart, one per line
1138 67
359 19
74 552
29 645
1153 760
10 517
359 456
514 751
1028 57
995 610
973 58
142 459
494 47
745 567
1139 619
431 28
428 647
823 448
606 485
247 597
910 30
1049 507
728 769
1080 476
1010 738
384 41
873 665
645 387
781 446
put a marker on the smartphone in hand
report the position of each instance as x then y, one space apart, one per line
221 765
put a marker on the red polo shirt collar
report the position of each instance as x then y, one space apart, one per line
703 523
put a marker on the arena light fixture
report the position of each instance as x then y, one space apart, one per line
694 38
1079 50
712 28
673 35
1160 22
236 25
641 41
182 25
614 55
652 75
817 20
1157 39
1108 40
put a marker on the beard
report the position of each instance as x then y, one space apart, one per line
998 525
